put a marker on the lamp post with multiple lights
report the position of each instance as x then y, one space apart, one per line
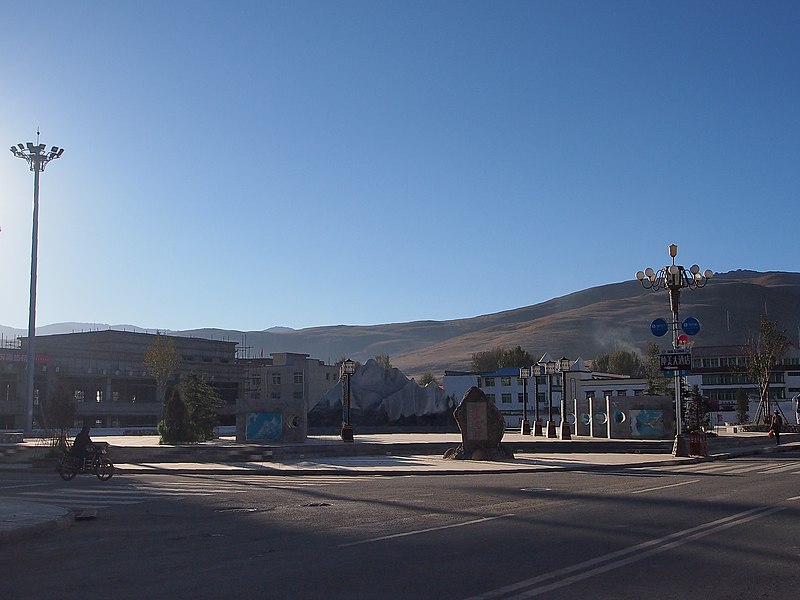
674 278
537 371
563 367
524 374
550 368
347 369
37 158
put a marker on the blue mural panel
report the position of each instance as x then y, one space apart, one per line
647 423
264 426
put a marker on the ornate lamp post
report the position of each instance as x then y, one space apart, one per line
563 367
538 371
37 158
524 373
550 367
347 369
674 278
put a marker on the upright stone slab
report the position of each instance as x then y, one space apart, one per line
482 427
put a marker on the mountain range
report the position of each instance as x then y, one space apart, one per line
601 319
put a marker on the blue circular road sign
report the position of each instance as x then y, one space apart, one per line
690 326
659 327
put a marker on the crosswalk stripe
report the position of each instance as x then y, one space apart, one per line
141 491
781 468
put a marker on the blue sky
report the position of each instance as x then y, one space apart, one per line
245 165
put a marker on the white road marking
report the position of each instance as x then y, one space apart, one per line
420 531
663 487
621 558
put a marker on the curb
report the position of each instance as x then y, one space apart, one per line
26 532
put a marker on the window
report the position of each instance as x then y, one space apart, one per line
505 381
115 396
297 395
490 398
79 396
298 378
275 395
99 396
488 381
521 398
506 398
276 379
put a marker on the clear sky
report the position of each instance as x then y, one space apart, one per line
244 165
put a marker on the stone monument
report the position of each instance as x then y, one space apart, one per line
482 427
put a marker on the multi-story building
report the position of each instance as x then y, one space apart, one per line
506 389
105 372
721 371
277 393
287 375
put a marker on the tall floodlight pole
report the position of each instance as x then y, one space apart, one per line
37 158
674 278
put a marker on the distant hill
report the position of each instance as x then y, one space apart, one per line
601 319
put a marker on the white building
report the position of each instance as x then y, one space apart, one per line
505 388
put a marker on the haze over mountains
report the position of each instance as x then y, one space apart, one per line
601 319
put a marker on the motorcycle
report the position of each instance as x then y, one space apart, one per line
96 462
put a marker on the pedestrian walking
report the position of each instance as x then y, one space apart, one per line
775 426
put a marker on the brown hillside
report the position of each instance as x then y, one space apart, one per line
585 323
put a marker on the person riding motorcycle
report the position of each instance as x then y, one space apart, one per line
83 445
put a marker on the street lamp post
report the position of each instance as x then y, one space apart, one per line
37 158
564 366
347 369
524 373
674 278
550 366
538 371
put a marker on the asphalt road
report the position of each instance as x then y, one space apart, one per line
723 530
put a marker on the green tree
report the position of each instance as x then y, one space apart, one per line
162 360
383 360
516 357
763 352
621 362
426 378
60 412
600 363
698 411
487 361
651 371
742 406
191 414
174 428
202 403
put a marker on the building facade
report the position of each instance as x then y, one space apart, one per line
507 390
105 372
720 372
277 393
